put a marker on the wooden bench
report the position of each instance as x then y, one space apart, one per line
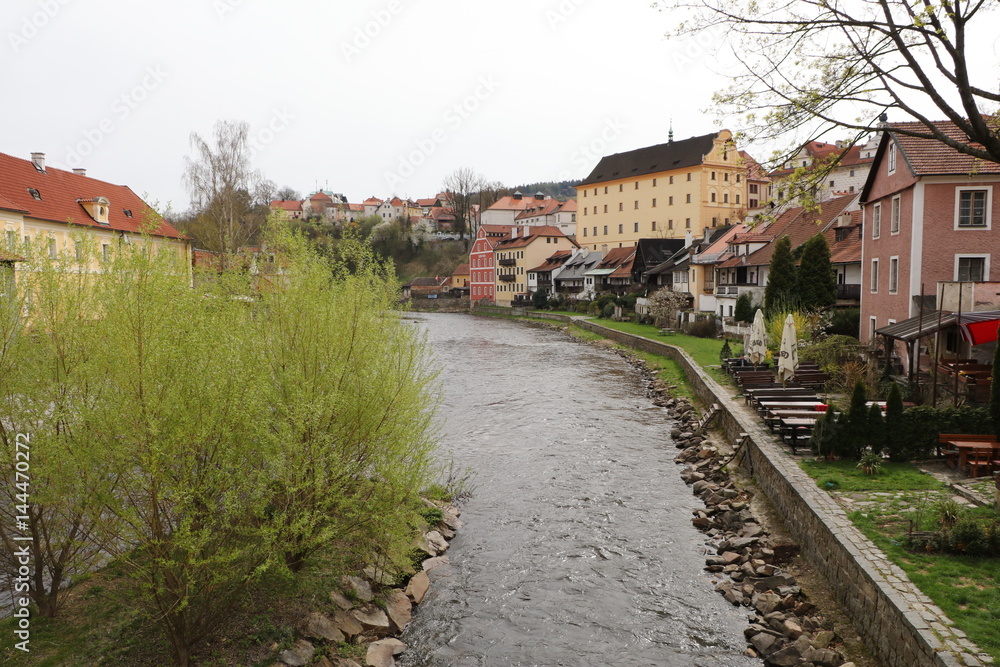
950 453
979 462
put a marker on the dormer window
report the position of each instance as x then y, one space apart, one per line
128 212
97 208
35 193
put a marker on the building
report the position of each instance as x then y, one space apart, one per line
542 277
526 247
928 219
662 191
286 209
572 279
482 280
460 277
550 212
847 175
39 203
505 210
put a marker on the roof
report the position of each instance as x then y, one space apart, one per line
373 201
320 196
652 159
933 321
461 270
286 205
427 202
534 232
544 207
511 203
427 282
650 252
61 193
9 257
844 156
928 157
554 261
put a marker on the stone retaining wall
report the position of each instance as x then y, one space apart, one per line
901 626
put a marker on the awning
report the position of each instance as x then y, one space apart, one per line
976 327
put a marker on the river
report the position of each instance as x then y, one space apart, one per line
577 547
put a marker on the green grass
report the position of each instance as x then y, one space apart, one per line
966 589
845 476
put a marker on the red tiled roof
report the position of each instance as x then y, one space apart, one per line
61 192
534 232
508 203
396 201
554 261
544 207
847 251
461 270
928 157
286 205
569 206
9 257
320 196
617 257
373 201
821 151
356 207
8 205
426 202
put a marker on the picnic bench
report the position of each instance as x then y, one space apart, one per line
977 454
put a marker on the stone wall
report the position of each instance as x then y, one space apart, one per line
900 625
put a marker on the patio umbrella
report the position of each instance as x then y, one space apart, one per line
788 356
756 349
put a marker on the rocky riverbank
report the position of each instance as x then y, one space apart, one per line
367 612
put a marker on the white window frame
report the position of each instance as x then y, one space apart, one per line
891 158
872 326
972 255
877 220
894 274
895 212
989 206
873 277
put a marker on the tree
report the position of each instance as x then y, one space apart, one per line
230 198
994 406
895 443
808 66
779 294
664 304
287 193
744 308
490 193
816 280
463 185
540 300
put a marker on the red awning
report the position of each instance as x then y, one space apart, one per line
977 333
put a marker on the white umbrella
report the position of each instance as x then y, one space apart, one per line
788 358
756 349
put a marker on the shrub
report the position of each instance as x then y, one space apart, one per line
703 328
870 462
894 445
540 299
968 536
744 308
608 311
830 352
920 427
845 322
726 351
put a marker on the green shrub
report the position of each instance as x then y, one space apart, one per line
608 311
894 444
920 427
744 308
703 328
432 515
968 536
726 352
830 352
845 322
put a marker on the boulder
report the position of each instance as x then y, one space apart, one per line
765 603
347 624
432 563
792 629
450 518
362 589
765 643
318 626
399 609
340 601
342 662
372 620
824 657
379 576
417 587
786 657
379 655
435 542
823 639
299 655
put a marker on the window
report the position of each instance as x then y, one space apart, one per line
654 202
753 188
725 197
670 224
585 211
971 268
874 276
636 206
687 223
852 172
11 238
725 177
738 178
584 193
876 220
35 193
605 208
715 222
605 189
892 158
637 185
894 218
737 198
753 203
105 251
654 182
688 198
713 175
595 192
621 206
605 230
713 197
893 274
871 327
635 226
128 212
621 187
595 230
671 181
831 184
654 225
689 175
621 228
670 201
595 210
52 248
973 208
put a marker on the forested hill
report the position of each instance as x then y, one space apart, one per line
561 190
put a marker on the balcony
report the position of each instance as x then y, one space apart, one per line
733 290
506 262
544 283
849 292
726 290
507 277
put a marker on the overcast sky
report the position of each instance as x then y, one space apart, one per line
370 97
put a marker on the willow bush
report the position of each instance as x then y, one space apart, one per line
200 438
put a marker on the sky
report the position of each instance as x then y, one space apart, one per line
370 97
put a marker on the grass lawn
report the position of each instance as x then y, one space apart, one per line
845 476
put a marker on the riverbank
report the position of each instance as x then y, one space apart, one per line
895 619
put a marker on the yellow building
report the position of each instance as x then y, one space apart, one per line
525 248
43 205
662 192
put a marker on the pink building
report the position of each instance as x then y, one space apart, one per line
482 271
928 218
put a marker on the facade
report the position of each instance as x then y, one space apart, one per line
526 247
572 279
460 276
543 276
848 176
287 209
662 191
482 274
551 212
506 209
39 202
928 218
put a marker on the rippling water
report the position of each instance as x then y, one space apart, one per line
577 547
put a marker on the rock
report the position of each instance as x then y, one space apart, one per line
379 655
379 576
715 561
793 629
417 587
775 582
435 542
437 561
765 603
765 643
347 624
786 657
399 609
446 532
823 639
339 600
450 518
734 597
396 645
361 588
730 557
299 655
318 626
342 662
824 657
701 522
374 621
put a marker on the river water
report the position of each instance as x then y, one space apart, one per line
577 547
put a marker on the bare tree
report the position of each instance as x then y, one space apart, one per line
463 184
229 196
287 193
490 192
810 66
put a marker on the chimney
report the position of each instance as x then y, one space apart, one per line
513 232
79 171
518 195
708 234
38 159
539 196
840 143
688 239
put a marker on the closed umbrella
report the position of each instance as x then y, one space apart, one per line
788 356
756 349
